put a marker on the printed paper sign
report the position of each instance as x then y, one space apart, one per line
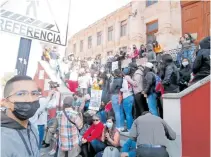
114 65
46 85
125 63
41 74
95 101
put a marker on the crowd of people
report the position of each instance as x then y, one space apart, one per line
131 102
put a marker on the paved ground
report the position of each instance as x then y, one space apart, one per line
44 152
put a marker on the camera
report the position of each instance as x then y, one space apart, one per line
53 84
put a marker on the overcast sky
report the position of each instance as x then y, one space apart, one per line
82 14
85 12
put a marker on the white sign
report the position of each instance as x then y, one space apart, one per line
141 61
95 100
125 63
46 85
41 74
36 19
115 65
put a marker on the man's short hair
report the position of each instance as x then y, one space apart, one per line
8 86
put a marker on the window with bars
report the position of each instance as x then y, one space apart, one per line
150 2
152 28
99 38
81 45
110 33
89 42
123 31
74 48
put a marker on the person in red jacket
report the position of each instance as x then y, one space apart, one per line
93 136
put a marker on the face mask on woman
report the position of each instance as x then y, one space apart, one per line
109 125
185 63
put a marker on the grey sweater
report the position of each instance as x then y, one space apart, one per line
17 141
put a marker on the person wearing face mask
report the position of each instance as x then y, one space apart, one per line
169 75
111 136
185 74
93 136
21 101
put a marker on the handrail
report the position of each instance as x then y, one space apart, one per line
187 90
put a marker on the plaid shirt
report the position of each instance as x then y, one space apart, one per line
68 133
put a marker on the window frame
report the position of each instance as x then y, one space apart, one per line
110 33
81 46
99 38
152 32
123 28
89 42
150 2
74 47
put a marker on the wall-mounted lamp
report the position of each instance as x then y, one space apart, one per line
134 13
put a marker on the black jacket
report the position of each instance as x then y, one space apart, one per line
149 83
185 74
171 79
201 65
116 85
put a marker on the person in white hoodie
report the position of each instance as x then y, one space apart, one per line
83 83
128 98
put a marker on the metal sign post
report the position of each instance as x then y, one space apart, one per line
23 56
25 46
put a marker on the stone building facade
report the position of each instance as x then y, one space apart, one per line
139 22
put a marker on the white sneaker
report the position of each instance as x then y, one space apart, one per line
52 152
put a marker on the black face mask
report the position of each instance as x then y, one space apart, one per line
25 110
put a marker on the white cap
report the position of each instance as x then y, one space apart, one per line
149 65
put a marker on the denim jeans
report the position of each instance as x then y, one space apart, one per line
41 130
98 145
102 115
128 106
188 53
118 110
130 148
152 104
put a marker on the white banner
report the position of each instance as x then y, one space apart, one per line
114 65
46 84
95 101
125 63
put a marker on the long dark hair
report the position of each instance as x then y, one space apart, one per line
189 36
156 44
112 132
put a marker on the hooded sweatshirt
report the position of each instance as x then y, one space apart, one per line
138 80
201 65
151 56
18 141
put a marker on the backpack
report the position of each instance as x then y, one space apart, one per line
157 79
111 152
